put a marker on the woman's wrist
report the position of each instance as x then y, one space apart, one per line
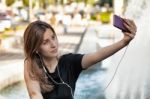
125 42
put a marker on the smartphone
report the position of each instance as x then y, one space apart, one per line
118 22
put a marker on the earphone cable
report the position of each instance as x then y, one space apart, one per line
116 69
63 83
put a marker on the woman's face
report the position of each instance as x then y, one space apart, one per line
49 45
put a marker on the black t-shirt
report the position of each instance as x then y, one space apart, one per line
69 66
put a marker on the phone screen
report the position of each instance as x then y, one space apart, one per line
118 22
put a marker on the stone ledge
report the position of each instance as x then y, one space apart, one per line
11 73
1 97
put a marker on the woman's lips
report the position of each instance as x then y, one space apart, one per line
54 51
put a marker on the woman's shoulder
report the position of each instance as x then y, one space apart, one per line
65 56
71 56
68 55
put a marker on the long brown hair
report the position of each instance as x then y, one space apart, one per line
33 37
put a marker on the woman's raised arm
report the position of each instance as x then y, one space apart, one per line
92 58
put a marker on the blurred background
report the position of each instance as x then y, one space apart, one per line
82 26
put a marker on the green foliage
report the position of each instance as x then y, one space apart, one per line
9 2
51 1
42 3
78 1
91 2
4 36
93 17
26 3
105 17
103 2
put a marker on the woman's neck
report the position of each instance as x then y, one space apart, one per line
50 63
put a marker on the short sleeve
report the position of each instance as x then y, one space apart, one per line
75 62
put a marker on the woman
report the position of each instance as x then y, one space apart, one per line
49 76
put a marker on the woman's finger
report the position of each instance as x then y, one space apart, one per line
127 26
134 25
130 28
130 35
126 21
130 23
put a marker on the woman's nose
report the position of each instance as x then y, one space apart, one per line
53 44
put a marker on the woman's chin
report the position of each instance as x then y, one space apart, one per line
51 55
54 54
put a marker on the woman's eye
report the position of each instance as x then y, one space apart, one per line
53 37
45 42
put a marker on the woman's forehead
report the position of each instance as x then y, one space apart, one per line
48 33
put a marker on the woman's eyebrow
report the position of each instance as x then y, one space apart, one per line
45 40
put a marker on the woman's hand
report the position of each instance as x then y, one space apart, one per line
130 25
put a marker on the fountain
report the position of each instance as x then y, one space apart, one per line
132 80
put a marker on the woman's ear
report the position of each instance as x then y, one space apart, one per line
36 52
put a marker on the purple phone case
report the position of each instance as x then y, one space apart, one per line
118 22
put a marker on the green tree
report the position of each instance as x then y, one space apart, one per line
91 2
52 1
103 2
9 2
78 1
42 3
26 3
